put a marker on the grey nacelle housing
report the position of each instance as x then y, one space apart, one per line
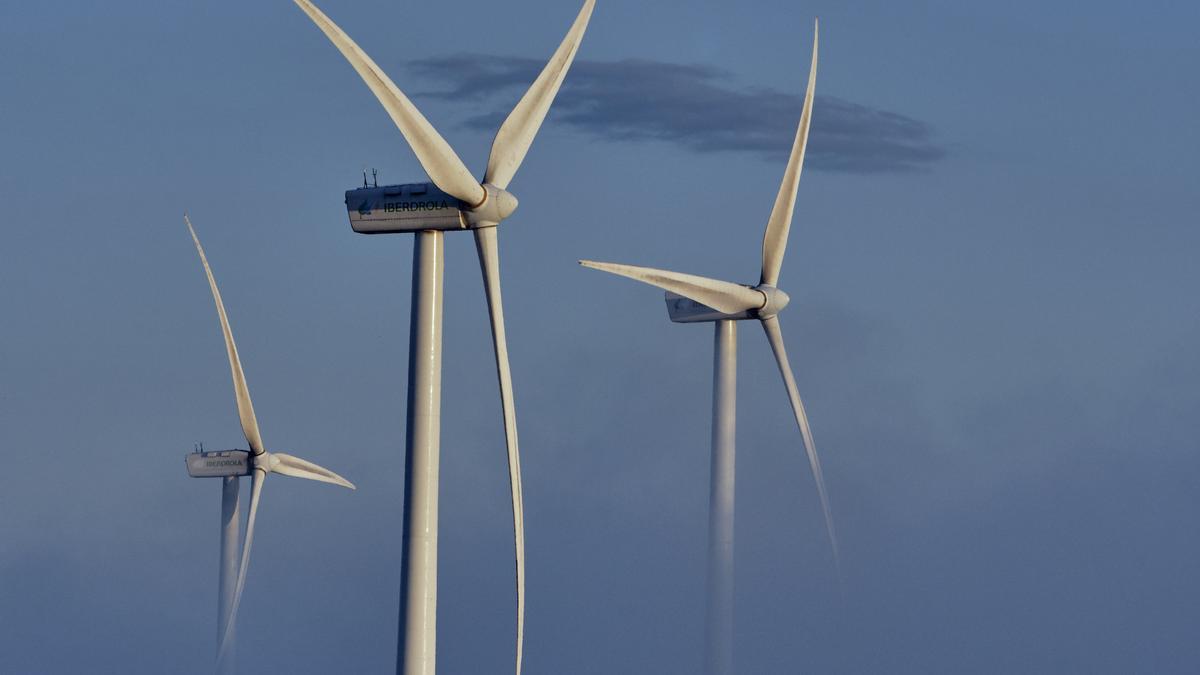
219 464
685 310
403 208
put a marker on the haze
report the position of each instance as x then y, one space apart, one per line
994 324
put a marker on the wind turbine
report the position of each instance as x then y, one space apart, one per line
693 299
230 466
454 200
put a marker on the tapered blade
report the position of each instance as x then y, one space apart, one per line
240 390
517 132
489 263
722 296
775 337
256 485
441 163
290 465
776 236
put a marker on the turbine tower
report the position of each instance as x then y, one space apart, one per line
454 200
230 466
693 299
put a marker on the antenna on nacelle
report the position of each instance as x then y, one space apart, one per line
374 178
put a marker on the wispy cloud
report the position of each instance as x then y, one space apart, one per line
698 107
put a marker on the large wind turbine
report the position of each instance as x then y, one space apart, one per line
454 201
230 465
693 299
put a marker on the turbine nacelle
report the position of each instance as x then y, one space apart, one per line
768 302
695 299
219 463
418 207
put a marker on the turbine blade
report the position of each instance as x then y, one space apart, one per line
256 485
775 337
489 263
240 390
443 166
290 465
722 296
516 134
775 238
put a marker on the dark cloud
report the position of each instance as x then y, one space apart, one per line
695 106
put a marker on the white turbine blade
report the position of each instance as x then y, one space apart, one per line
517 132
256 484
776 236
722 296
443 166
290 465
775 337
240 390
489 263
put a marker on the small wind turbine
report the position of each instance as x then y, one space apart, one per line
454 201
230 466
693 299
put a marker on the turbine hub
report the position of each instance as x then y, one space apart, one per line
776 301
506 203
497 205
266 461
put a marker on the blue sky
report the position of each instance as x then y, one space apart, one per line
996 343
